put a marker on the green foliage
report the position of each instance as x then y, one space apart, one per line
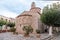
13 29
2 22
51 16
10 24
28 29
38 31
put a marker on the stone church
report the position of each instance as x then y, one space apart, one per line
31 17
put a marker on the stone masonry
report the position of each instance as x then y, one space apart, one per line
31 17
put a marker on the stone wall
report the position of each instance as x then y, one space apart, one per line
31 17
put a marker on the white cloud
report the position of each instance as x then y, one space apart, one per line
14 5
27 3
8 13
40 3
24 2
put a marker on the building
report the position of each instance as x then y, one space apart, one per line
7 19
12 20
31 17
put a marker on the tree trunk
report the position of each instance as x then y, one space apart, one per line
50 30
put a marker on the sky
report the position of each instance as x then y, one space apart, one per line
13 8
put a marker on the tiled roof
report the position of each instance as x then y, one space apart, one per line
25 13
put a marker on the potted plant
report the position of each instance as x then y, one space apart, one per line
38 33
27 30
13 30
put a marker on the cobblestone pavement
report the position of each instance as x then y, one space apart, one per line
57 38
45 35
10 36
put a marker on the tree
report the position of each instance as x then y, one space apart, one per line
51 16
10 24
27 29
2 22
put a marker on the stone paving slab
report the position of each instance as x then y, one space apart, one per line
10 36
44 35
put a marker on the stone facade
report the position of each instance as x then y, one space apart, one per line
31 17
7 19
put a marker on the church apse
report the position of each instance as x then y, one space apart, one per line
28 18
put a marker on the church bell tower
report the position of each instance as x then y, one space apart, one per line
33 5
